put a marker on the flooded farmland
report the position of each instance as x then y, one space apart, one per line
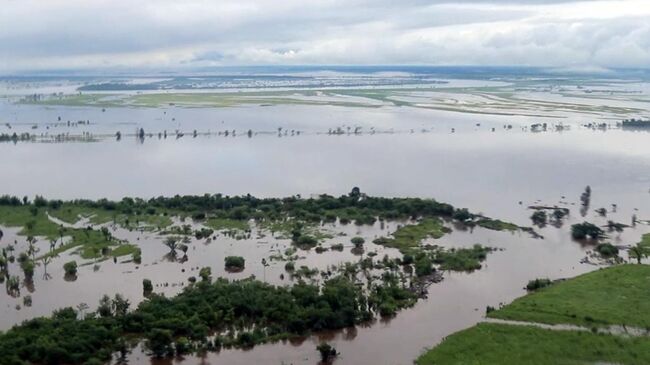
492 164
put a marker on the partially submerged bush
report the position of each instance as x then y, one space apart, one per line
70 268
147 287
235 263
462 215
607 250
539 218
28 269
423 266
205 273
538 284
327 352
203 233
306 241
289 266
586 230
357 241
137 256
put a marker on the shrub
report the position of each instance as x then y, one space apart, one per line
159 342
586 230
235 263
28 268
607 250
538 284
205 273
289 266
203 233
357 241
462 215
306 240
147 287
246 339
182 346
198 216
327 352
558 214
539 218
137 256
423 266
70 268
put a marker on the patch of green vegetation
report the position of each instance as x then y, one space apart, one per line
301 233
617 295
501 344
409 237
586 230
124 250
221 224
496 224
538 284
641 249
205 317
461 259
607 250
34 221
98 100
234 263
183 99
92 244
72 213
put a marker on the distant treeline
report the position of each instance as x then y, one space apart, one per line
636 123
4 137
355 206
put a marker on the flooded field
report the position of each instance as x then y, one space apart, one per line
491 164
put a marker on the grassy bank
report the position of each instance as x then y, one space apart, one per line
618 295
490 343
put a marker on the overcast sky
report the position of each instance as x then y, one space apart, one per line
81 34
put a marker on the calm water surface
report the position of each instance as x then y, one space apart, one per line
413 152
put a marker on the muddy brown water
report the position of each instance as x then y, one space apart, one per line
489 172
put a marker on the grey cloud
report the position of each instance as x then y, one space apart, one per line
75 33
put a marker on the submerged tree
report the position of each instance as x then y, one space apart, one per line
586 230
171 243
639 251
327 352
539 218
585 200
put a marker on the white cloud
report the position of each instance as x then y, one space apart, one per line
55 34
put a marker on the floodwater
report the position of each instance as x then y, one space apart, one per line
412 152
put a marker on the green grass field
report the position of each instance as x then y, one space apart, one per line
619 295
502 344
